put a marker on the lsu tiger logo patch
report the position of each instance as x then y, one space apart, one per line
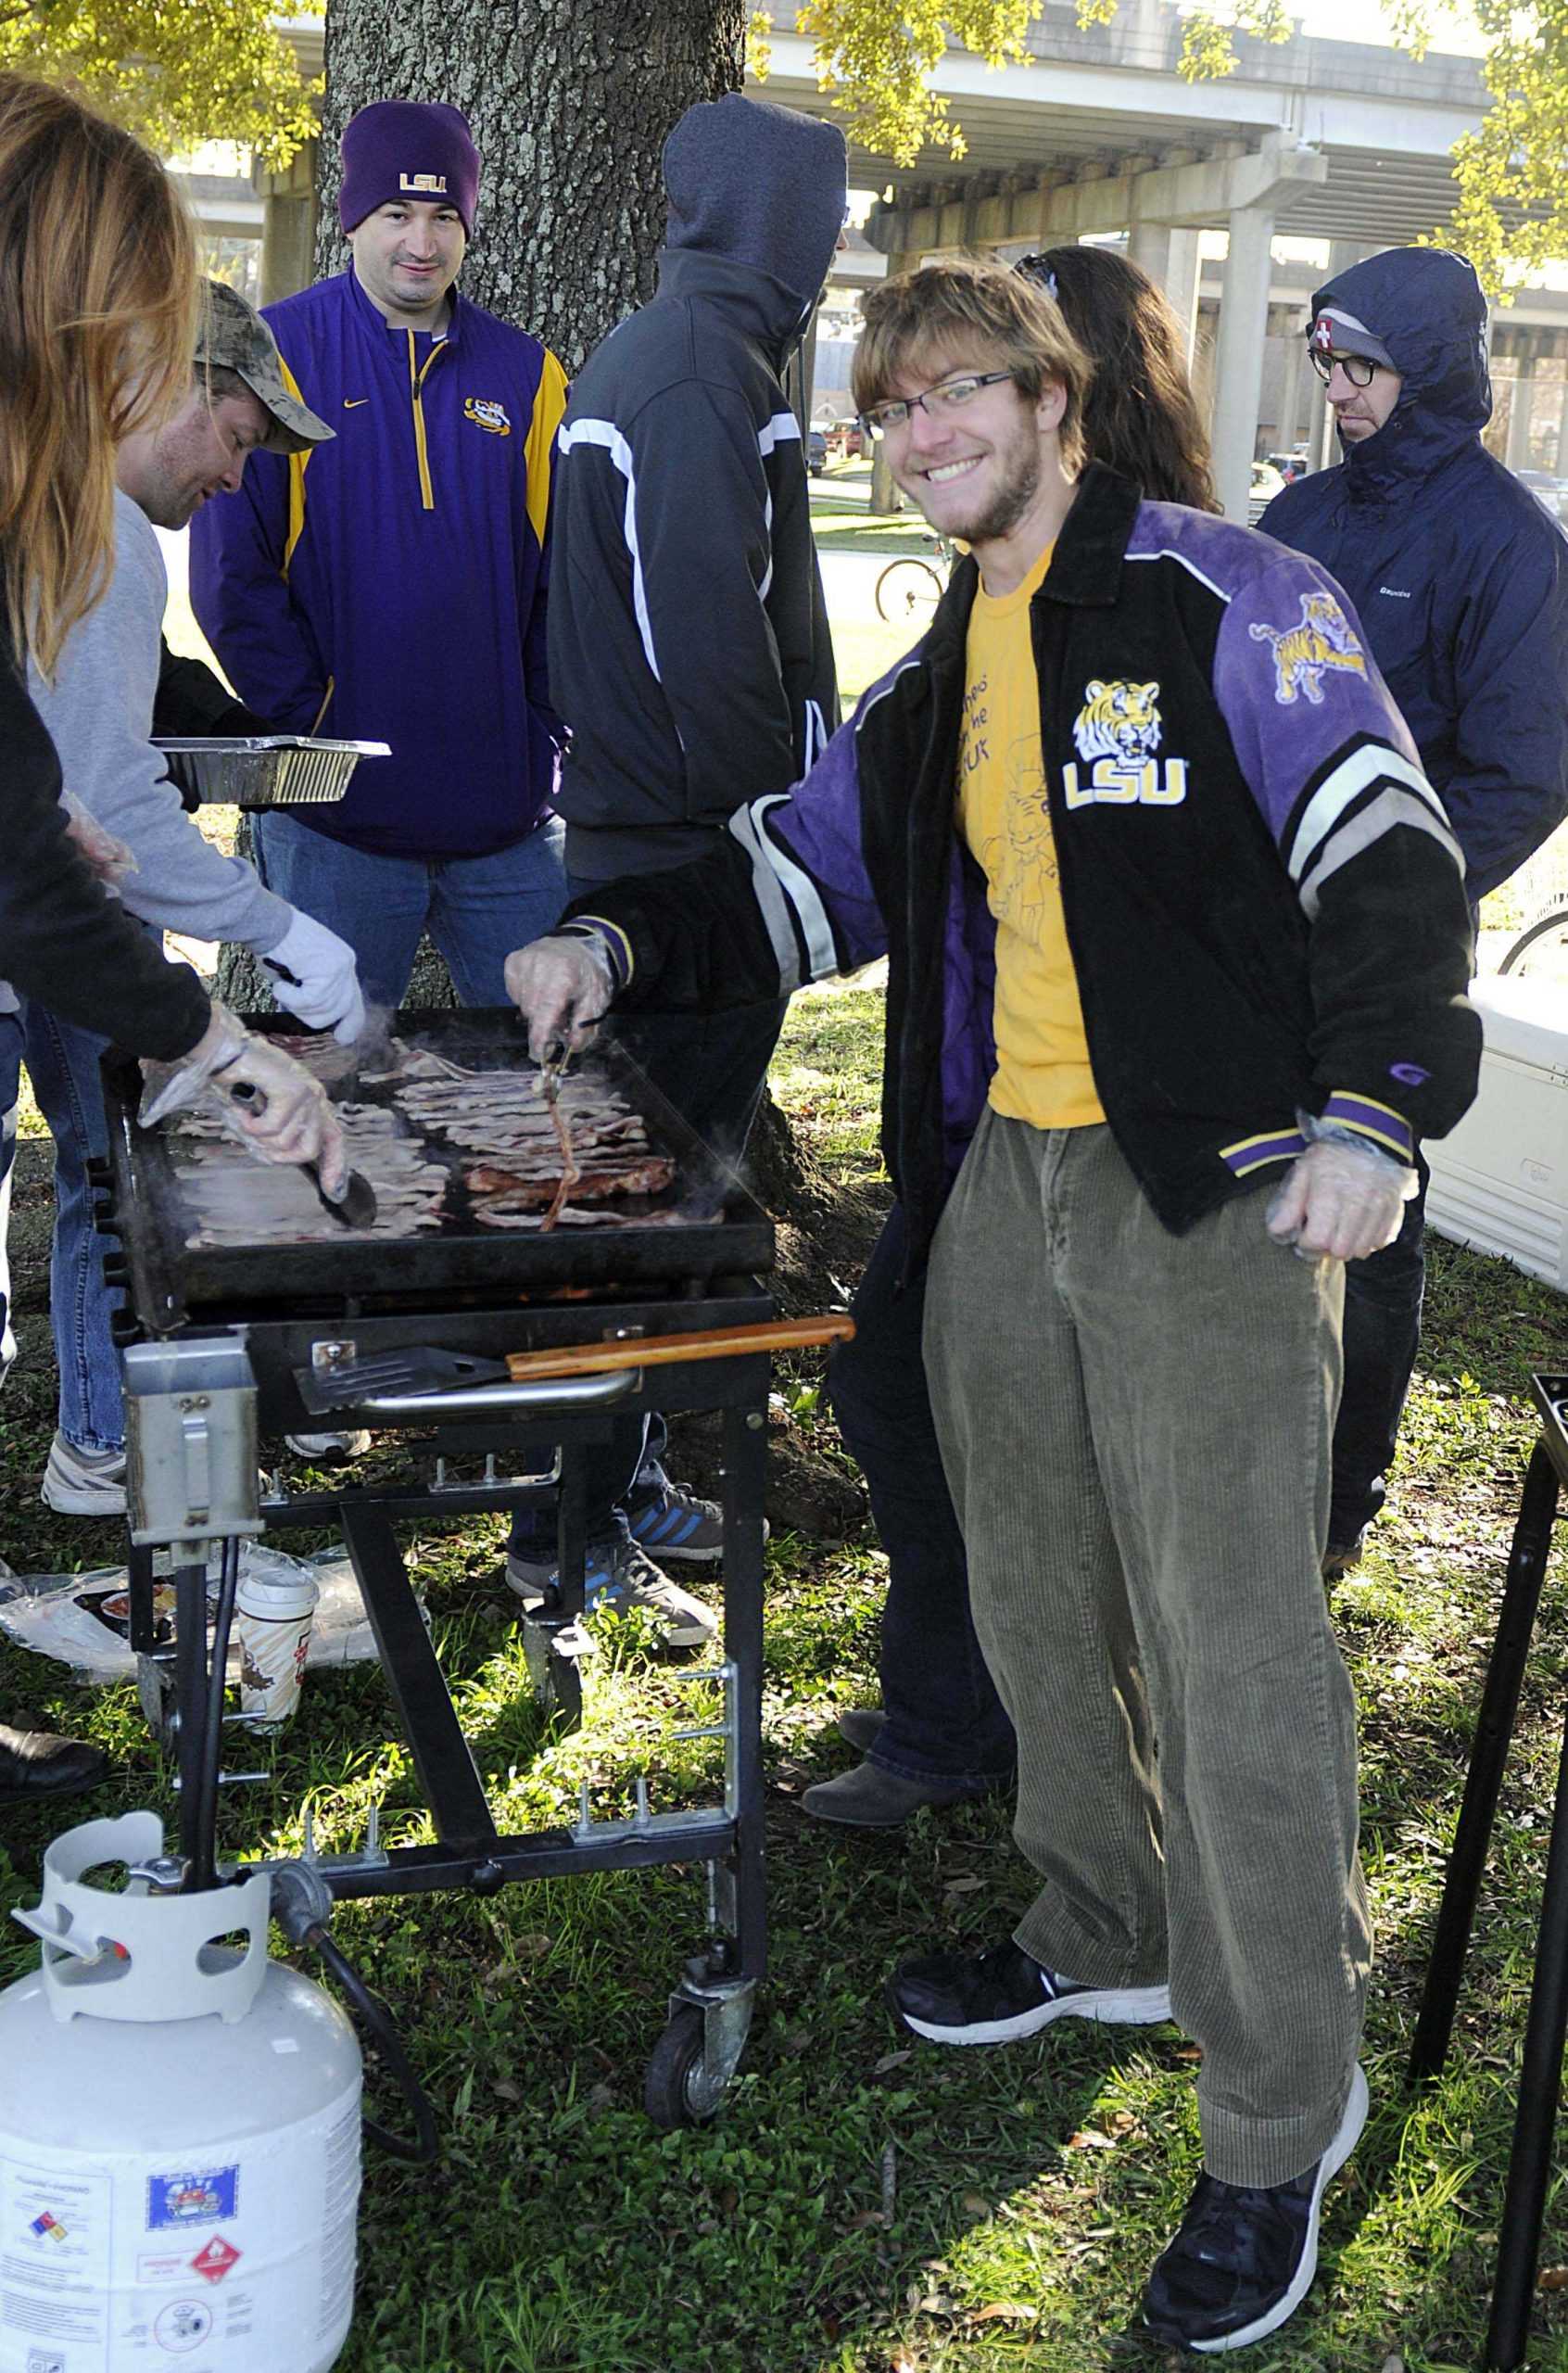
1304 654
1117 734
486 413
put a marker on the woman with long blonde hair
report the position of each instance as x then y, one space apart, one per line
98 294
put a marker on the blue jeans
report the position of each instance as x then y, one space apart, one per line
944 1719
475 909
62 1063
10 1087
1382 1298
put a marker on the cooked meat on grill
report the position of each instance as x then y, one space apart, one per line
535 1189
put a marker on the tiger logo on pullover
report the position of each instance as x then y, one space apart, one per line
1304 654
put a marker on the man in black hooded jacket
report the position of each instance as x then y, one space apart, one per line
1460 583
689 650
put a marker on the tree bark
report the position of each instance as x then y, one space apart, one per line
570 102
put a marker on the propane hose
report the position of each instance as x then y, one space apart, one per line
377 2019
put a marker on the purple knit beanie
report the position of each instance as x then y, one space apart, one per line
408 148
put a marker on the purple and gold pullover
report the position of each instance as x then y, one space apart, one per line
392 586
1263 898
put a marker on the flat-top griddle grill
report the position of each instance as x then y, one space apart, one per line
218 1343
703 1225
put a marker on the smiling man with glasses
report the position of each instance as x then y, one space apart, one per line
1459 579
1163 931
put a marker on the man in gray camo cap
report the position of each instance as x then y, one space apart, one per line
239 401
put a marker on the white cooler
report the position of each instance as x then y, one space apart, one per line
1499 1181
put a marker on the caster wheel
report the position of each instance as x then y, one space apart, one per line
674 2092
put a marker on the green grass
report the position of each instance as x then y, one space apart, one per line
1029 2188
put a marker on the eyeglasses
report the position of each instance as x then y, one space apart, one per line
1358 368
951 396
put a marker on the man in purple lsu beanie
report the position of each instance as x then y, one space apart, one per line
435 496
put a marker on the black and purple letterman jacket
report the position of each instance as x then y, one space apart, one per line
1264 901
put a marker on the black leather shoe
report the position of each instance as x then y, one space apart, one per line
870 1797
35 1763
862 1725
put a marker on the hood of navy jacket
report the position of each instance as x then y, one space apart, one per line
1427 307
759 187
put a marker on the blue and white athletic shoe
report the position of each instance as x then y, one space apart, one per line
669 1522
620 1575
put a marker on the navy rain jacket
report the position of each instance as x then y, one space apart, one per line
1458 576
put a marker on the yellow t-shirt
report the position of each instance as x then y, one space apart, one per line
1042 1073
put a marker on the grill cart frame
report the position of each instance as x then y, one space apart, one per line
219 1346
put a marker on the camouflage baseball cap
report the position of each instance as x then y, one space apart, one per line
234 337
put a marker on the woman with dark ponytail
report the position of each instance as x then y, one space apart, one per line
1140 419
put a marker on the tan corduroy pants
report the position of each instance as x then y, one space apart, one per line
1136 1429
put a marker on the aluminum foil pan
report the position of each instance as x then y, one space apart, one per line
263 770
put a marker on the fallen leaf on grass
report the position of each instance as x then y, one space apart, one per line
973 2205
1011 2311
1088 2137
506 2090
1394 2364
1552 2278
962 1886
891 2060
863 2218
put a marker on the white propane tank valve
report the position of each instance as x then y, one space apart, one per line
179 2131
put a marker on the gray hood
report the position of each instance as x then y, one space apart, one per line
759 186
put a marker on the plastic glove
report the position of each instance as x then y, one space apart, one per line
280 1112
562 986
316 979
110 858
1341 1197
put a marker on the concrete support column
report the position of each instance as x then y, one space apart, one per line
1238 362
1148 245
1181 285
1562 438
1294 398
288 226
1518 453
885 496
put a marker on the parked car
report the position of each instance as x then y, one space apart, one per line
1266 483
1291 465
816 451
846 440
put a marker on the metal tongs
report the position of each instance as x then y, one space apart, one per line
552 1069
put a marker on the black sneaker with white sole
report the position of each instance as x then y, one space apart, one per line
999 1996
1242 2258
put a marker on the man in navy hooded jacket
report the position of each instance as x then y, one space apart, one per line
1460 583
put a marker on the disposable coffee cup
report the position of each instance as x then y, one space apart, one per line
273 1615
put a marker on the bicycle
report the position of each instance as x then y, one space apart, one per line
1541 948
910 588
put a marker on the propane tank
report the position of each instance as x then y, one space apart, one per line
179 2132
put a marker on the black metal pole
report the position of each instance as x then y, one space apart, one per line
197 1841
1494 1730
745 1463
1540 2079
